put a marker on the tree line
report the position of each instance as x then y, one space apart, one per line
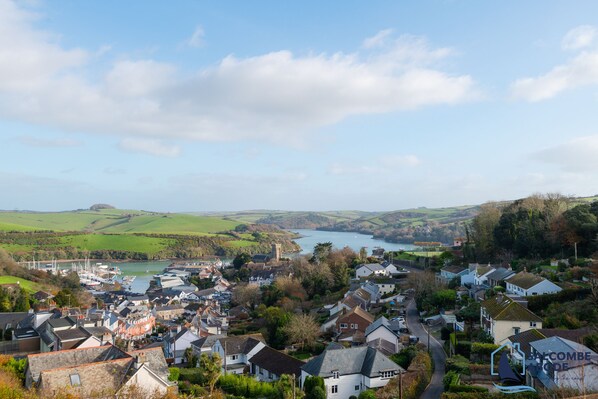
536 227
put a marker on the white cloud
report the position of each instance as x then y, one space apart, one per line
197 38
378 39
582 70
28 57
150 147
277 97
579 155
579 37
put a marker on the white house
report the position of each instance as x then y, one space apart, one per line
450 272
481 273
501 317
385 285
176 344
235 351
380 330
393 270
369 269
528 284
348 372
562 363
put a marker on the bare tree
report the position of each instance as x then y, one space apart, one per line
247 295
302 329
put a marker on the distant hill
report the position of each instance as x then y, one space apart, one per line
406 226
130 234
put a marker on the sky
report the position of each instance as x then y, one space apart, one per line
311 105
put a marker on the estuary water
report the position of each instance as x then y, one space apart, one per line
339 239
143 271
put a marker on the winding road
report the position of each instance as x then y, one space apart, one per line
435 388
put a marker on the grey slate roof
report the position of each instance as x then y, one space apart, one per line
70 358
500 274
360 360
207 342
455 269
72 334
62 322
381 322
155 360
372 266
277 362
242 343
561 345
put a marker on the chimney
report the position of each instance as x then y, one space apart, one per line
140 358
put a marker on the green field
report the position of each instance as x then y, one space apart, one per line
115 221
94 242
118 242
28 285
125 234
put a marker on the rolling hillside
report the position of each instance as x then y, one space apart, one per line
129 234
114 221
408 225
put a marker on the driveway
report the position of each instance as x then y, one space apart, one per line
436 387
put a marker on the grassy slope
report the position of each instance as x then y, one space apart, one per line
119 226
114 221
28 285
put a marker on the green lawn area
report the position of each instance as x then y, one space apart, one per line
28 285
15 227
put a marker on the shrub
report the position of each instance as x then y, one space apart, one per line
466 388
405 356
369 394
482 351
450 378
175 372
193 375
245 386
458 364
463 348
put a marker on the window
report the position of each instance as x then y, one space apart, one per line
344 325
234 357
335 374
335 389
516 330
532 323
387 374
357 387
352 325
75 380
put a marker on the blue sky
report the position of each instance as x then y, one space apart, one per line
382 105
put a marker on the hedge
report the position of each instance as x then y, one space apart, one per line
538 303
463 348
466 388
459 364
488 395
245 386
